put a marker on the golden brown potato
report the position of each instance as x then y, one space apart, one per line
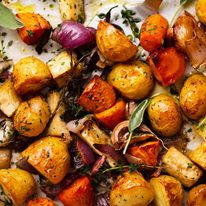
131 189
9 100
200 9
30 75
198 155
179 166
134 80
5 158
32 117
168 191
193 95
197 196
17 185
50 157
164 115
113 44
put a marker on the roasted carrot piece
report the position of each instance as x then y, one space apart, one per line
153 32
34 29
112 116
97 96
80 193
167 64
146 152
41 201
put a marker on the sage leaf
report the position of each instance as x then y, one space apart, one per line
138 114
8 19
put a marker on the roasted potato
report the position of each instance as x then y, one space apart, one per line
50 157
32 117
134 79
30 75
168 191
61 67
97 96
164 115
5 158
193 95
198 155
9 100
200 9
197 196
7 132
179 166
72 10
17 185
79 193
131 189
113 44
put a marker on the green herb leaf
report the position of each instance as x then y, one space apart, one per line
7 18
137 116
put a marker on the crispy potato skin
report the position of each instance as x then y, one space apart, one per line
179 166
97 96
41 201
35 27
50 157
80 193
112 116
9 100
153 32
198 155
193 95
164 115
200 9
197 196
133 80
131 189
17 184
168 191
113 44
32 117
30 75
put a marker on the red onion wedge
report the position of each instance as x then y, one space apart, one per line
98 164
71 34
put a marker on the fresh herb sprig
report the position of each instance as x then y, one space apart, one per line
136 120
129 19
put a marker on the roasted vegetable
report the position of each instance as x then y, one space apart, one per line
5 158
131 189
9 100
168 191
61 67
193 95
179 166
34 28
198 155
53 99
164 115
153 32
50 157
17 185
112 116
7 131
72 10
167 64
32 117
108 40
190 38
80 193
134 80
200 9
197 196
30 75
41 201
146 152
200 128
97 96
